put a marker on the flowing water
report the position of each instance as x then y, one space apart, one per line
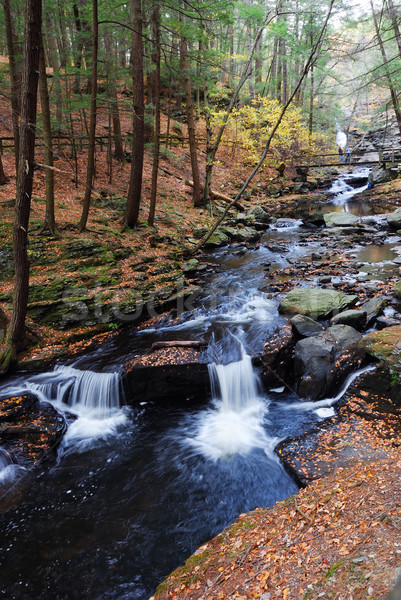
136 489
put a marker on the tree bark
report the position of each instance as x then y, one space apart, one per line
190 121
15 78
50 222
16 332
114 111
90 168
138 128
3 176
156 103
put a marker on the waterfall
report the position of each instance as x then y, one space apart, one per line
235 424
85 392
94 398
235 384
341 138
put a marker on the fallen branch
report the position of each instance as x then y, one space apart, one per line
51 168
178 344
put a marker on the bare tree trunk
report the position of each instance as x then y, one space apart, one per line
90 168
191 122
156 103
15 80
138 144
50 221
311 99
16 331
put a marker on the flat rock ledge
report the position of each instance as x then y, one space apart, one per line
167 374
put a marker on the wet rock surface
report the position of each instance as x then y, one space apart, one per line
177 373
30 430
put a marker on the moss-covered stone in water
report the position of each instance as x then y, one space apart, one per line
397 289
385 345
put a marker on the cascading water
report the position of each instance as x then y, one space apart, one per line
235 425
94 398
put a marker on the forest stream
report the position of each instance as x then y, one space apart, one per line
137 488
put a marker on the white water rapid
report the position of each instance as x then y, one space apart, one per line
235 425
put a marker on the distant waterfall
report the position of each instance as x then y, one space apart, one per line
235 425
341 138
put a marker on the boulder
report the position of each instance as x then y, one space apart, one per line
339 219
379 175
373 308
397 289
305 326
257 213
321 362
316 302
394 220
354 318
247 234
218 238
386 346
190 266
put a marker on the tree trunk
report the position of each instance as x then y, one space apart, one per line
115 114
393 17
16 332
54 59
156 103
212 149
138 147
251 86
191 122
15 80
3 176
393 93
90 167
50 222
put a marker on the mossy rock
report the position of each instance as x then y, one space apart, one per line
83 248
397 289
316 302
50 291
386 346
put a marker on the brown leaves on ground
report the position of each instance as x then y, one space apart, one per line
338 539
